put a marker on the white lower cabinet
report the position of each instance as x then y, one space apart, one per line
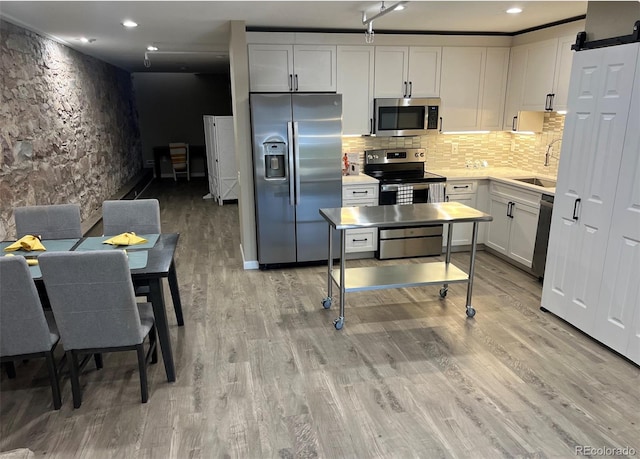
515 221
360 191
472 193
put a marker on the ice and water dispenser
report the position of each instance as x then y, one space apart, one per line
274 159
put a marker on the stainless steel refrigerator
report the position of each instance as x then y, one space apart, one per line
297 145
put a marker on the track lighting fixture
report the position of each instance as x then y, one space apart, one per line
368 22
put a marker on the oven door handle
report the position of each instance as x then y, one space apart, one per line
416 186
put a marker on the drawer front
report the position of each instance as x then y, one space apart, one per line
515 193
361 240
412 247
360 192
419 231
359 202
461 187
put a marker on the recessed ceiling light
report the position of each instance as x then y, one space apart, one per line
152 48
514 10
129 23
399 8
84 40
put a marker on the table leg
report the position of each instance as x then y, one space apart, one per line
157 301
339 322
175 293
472 263
447 259
326 303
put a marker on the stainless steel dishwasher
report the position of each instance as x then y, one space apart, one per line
542 235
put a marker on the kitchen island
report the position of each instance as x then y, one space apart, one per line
401 275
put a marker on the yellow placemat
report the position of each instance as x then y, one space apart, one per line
27 243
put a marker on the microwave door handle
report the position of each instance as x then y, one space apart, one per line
292 172
296 154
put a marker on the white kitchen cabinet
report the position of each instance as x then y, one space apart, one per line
360 190
538 77
355 83
593 266
462 191
473 87
221 160
291 68
512 232
407 71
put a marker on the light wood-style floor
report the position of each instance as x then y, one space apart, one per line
262 372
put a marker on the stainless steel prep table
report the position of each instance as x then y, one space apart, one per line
401 275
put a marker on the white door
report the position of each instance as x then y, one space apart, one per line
620 292
424 71
461 87
599 99
209 139
226 160
270 68
314 68
391 69
498 232
522 233
355 83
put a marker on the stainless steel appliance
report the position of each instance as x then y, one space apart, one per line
403 180
405 117
542 235
297 151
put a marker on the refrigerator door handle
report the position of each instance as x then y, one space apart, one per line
296 153
292 172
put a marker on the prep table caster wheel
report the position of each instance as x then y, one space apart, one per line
443 292
326 303
338 323
470 311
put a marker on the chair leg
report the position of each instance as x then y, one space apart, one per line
98 360
142 366
55 381
10 368
153 341
75 378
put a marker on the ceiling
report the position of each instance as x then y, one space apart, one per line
197 32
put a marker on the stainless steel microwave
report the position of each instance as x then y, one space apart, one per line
405 117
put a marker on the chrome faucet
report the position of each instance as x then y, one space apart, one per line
548 154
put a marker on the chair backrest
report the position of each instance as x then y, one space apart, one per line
92 298
142 216
23 327
55 221
179 153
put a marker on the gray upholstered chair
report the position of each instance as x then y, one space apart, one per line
25 331
142 216
94 305
56 221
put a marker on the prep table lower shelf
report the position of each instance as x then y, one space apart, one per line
399 276
402 274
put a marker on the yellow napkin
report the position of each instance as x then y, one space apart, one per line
27 243
30 261
125 239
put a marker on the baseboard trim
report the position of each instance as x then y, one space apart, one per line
250 264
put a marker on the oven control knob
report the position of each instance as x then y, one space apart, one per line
416 154
422 155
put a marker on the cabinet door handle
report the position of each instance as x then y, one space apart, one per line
404 92
455 187
513 206
441 123
509 204
551 101
410 88
296 79
370 126
359 240
361 192
290 82
547 102
575 209
513 123
446 198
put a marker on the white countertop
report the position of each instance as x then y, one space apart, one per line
358 179
501 174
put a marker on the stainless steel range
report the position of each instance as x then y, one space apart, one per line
403 180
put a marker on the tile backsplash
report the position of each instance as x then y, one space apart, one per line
498 148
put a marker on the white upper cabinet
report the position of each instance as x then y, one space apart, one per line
285 68
407 71
539 77
355 83
473 87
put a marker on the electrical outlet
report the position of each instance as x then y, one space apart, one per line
454 148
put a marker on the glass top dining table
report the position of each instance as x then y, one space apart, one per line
149 263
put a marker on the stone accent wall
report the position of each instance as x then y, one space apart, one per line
498 148
68 126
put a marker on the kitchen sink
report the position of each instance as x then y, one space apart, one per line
538 182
